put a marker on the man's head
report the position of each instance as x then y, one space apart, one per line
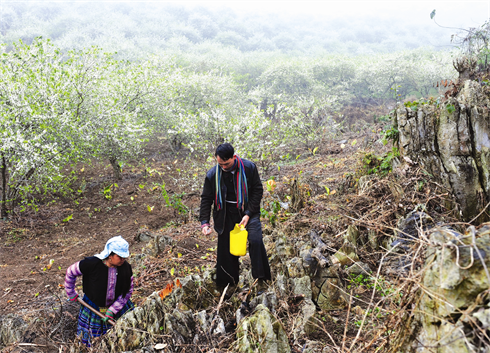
225 151
225 155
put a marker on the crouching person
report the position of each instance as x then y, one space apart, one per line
107 280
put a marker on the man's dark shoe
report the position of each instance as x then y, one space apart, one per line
229 292
262 286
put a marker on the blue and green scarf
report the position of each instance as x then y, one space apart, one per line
241 185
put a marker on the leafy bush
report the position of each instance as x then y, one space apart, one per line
374 164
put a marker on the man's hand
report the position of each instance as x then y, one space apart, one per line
244 221
206 230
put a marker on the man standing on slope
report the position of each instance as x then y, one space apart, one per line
234 190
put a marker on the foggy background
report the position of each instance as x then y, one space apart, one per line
134 28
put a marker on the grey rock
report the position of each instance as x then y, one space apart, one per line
134 328
198 292
170 315
202 320
144 235
310 264
305 323
158 242
284 249
267 299
295 267
410 227
455 277
263 330
373 239
180 325
313 347
358 268
483 314
301 286
364 184
328 294
281 285
352 235
220 327
346 255
452 142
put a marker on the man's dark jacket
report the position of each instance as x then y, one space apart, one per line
208 197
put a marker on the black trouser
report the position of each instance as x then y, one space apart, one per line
227 265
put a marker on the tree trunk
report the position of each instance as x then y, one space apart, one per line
297 196
175 143
3 211
117 168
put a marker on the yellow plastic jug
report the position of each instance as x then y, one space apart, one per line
238 241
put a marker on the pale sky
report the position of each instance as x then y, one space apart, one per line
448 13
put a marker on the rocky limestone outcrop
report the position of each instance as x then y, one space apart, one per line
453 311
304 277
300 259
194 313
177 318
451 141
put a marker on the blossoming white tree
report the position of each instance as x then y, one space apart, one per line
56 109
37 121
115 108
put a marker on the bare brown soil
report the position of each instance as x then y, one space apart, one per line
37 247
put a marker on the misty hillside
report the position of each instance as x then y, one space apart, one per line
152 27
